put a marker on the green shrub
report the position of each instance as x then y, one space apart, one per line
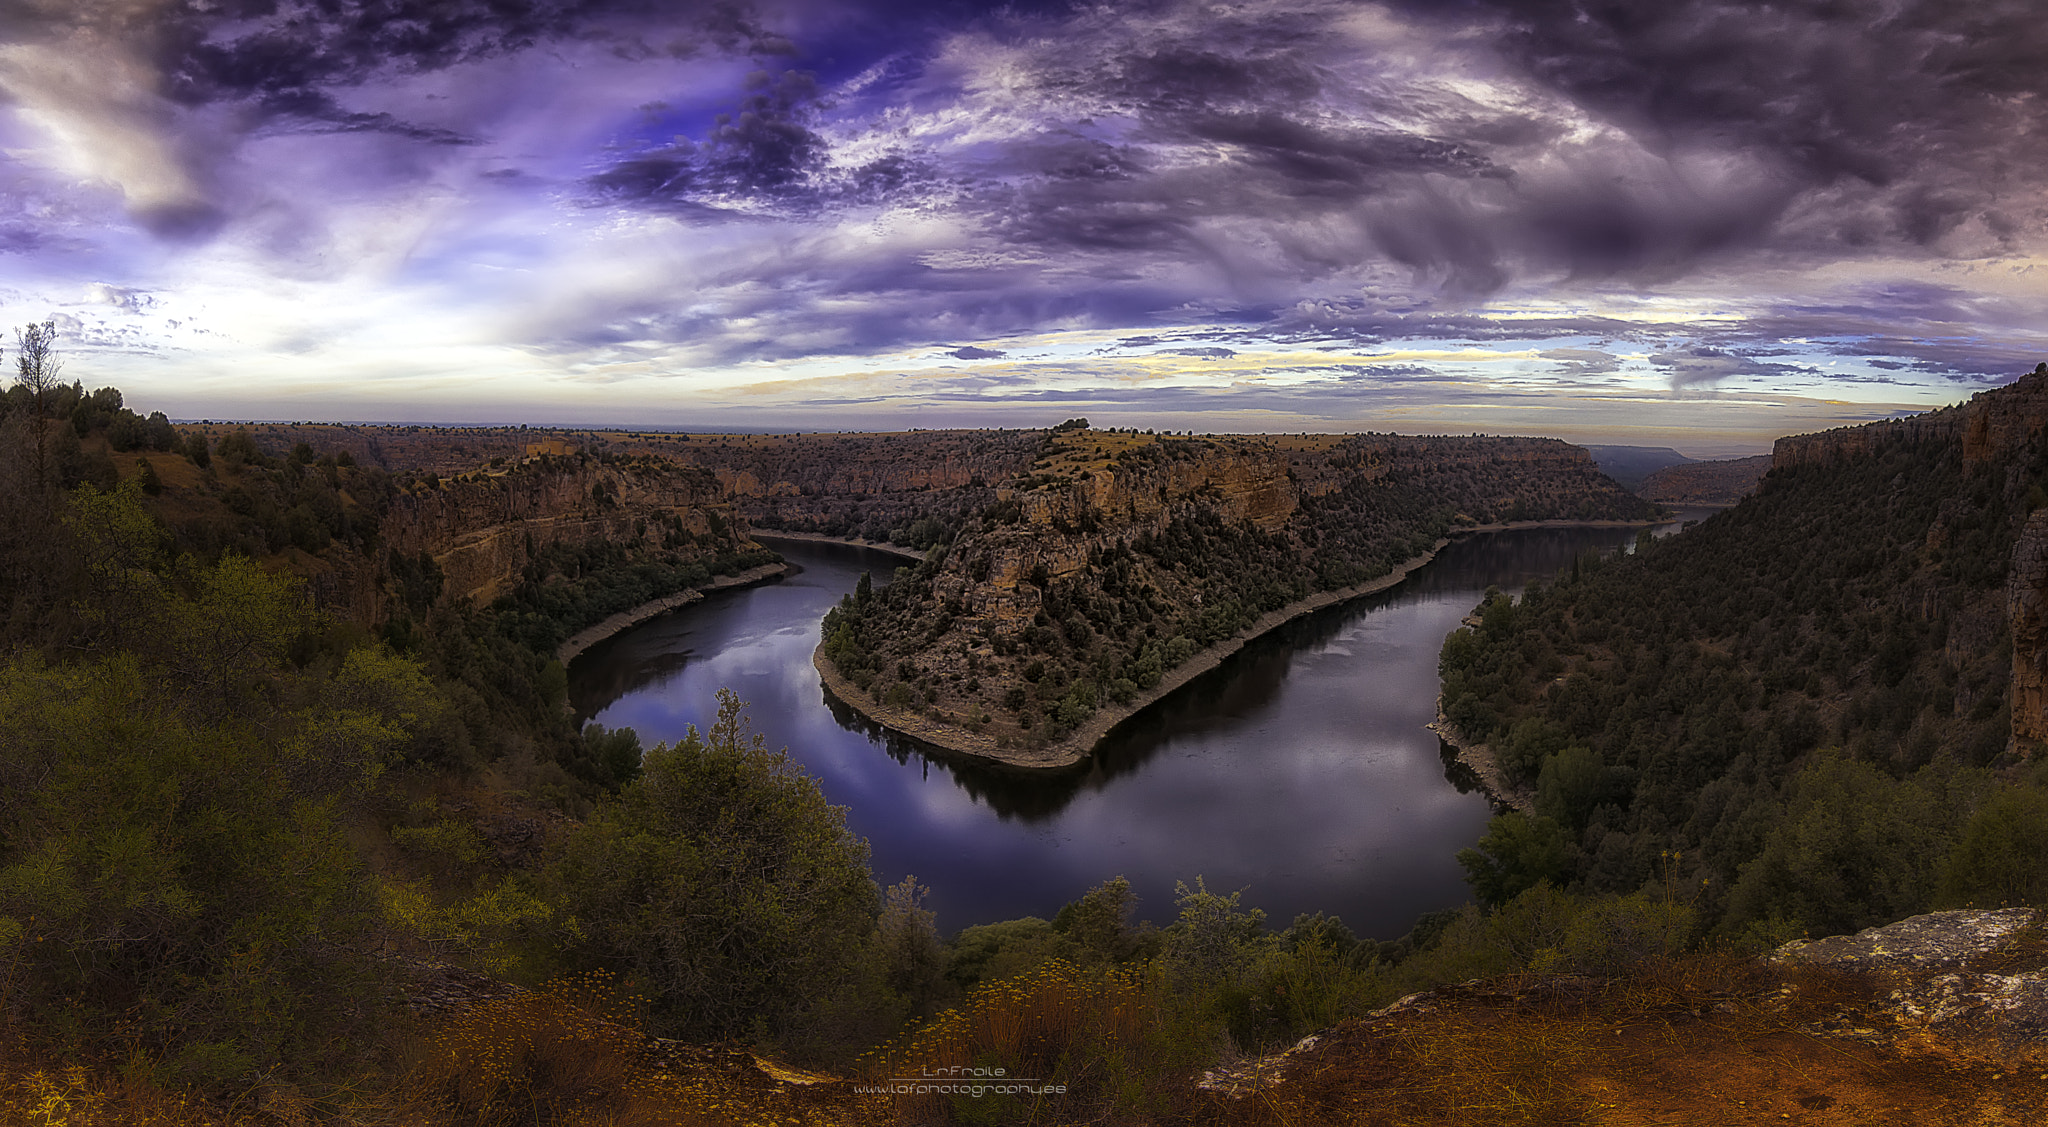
724 880
1517 853
2003 855
1614 935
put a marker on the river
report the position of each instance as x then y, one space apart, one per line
1300 770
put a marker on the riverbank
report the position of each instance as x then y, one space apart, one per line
950 735
584 639
1484 765
902 550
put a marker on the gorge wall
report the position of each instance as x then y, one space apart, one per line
2027 618
482 529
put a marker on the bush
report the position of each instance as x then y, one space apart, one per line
2003 855
1516 854
178 878
1615 935
723 880
1852 848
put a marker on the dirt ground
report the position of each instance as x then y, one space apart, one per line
1814 1049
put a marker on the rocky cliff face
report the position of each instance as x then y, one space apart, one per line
481 529
856 485
2027 617
1991 425
1083 504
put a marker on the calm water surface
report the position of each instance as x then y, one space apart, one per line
1300 770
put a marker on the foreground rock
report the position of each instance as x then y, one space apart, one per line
1937 939
1945 972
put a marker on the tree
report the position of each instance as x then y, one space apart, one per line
722 878
913 959
1215 937
1517 853
2003 855
1100 922
37 369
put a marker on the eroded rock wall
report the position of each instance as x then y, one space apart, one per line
482 529
2027 618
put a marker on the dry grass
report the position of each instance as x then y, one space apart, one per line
1699 1042
571 1055
1097 1036
39 1090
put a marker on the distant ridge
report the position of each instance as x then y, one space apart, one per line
1706 483
1629 465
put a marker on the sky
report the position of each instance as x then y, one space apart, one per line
1694 223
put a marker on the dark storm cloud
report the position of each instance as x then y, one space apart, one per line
1316 160
233 49
316 112
1332 173
1784 134
970 352
1925 103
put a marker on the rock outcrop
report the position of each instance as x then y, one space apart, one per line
2027 617
1937 939
1945 968
481 529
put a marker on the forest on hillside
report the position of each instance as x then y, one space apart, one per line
1804 697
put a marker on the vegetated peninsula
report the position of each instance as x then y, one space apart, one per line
1116 565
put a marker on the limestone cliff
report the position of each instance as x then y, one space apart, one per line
482 529
872 486
1722 482
1990 425
2027 617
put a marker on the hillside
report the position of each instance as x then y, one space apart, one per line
1120 558
1705 483
1812 698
